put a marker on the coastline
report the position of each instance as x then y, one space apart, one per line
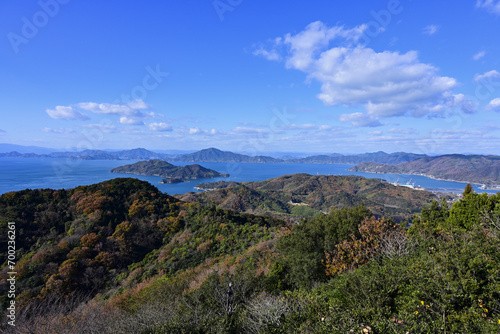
495 187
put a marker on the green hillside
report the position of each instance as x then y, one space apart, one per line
304 195
121 257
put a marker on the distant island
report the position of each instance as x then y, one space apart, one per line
216 155
452 167
483 169
169 172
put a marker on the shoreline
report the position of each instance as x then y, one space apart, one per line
495 187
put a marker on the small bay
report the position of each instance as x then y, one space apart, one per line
34 173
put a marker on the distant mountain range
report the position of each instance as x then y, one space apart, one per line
138 153
170 173
380 157
216 155
25 149
307 195
455 167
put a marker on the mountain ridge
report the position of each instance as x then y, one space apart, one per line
216 155
305 194
451 167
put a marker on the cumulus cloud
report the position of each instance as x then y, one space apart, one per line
487 76
66 113
494 105
161 127
130 109
305 45
479 55
132 113
493 6
385 83
431 29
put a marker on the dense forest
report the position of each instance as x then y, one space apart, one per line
122 257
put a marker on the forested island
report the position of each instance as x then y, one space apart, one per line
122 257
169 172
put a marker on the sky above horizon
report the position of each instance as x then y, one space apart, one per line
252 76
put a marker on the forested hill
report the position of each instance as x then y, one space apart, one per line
114 234
377 157
457 167
305 195
170 172
122 257
215 155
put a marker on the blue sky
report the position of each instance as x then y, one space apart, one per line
252 76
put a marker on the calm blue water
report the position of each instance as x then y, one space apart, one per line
32 173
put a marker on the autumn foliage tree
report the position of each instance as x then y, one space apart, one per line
376 237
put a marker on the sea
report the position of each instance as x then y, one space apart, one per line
39 173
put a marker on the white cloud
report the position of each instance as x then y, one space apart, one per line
305 45
162 127
58 131
494 105
132 108
193 131
268 54
487 76
492 6
479 55
385 83
66 113
130 120
249 131
461 101
431 29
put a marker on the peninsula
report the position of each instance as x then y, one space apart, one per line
451 167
